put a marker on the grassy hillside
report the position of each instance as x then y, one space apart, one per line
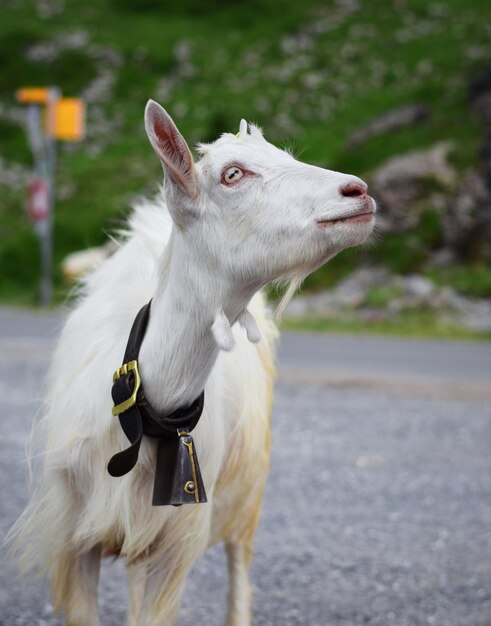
309 73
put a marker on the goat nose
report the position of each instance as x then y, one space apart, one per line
353 189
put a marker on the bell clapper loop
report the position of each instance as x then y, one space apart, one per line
191 486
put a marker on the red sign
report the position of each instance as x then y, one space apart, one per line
38 199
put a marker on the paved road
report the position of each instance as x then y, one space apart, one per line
378 509
460 370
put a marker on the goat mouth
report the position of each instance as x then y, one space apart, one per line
366 216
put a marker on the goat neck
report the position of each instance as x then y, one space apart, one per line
180 345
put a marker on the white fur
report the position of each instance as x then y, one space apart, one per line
223 332
204 274
79 263
247 321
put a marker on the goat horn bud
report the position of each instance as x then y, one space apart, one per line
243 128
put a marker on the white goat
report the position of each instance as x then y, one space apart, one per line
246 214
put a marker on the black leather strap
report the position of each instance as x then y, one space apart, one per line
137 333
131 420
142 418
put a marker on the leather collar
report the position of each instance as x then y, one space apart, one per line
177 476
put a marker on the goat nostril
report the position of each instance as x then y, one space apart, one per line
353 189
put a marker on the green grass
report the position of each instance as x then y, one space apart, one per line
245 59
471 280
416 323
379 297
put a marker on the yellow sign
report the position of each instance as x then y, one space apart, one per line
33 95
66 120
64 117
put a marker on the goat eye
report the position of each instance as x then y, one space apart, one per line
232 175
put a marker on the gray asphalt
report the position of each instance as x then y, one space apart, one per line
378 507
390 357
459 370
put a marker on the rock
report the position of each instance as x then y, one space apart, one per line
419 287
441 258
468 223
478 317
319 304
485 154
389 122
352 298
479 95
402 181
446 298
365 277
350 292
467 220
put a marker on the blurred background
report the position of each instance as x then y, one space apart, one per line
396 91
386 520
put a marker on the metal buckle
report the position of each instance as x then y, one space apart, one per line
131 366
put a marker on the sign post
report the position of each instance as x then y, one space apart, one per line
49 118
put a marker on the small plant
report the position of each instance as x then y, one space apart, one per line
380 296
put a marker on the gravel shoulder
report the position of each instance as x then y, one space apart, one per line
378 507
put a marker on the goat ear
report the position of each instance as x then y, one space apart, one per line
171 148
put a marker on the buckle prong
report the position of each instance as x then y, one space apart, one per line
131 366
